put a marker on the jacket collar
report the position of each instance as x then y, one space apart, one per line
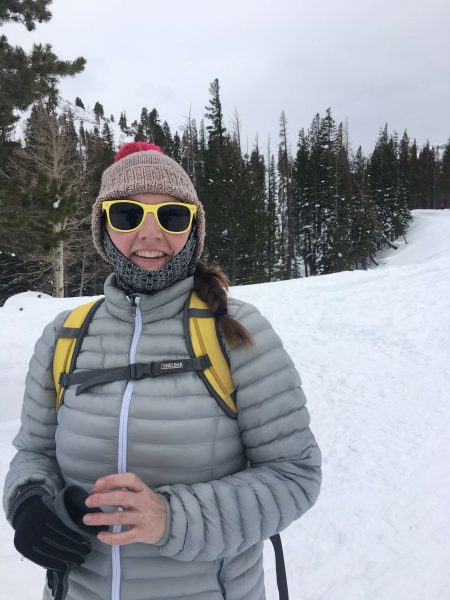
157 306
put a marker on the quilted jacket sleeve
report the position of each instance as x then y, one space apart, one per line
35 461
219 518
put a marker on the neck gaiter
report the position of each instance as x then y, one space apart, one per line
133 279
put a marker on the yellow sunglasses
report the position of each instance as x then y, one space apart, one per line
129 215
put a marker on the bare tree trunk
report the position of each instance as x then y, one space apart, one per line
58 264
388 242
236 129
83 264
191 150
305 262
289 199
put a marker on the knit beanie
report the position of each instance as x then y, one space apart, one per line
141 168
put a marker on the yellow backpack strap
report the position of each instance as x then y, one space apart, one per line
69 343
203 337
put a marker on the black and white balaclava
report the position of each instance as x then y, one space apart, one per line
132 279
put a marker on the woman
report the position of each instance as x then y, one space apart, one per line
145 488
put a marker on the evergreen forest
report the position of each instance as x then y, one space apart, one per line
272 212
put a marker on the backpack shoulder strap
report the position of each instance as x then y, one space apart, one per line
203 337
69 343
282 585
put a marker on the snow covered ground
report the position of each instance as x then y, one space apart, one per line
373 349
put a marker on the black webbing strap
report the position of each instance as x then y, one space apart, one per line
69 332
281 568
200 312
133 372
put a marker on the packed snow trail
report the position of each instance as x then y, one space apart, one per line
373 352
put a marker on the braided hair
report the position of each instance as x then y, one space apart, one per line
211 284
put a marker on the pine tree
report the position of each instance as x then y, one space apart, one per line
149 129
16 274
215 129
414 193
388 188
383 179
202 138
82 135
123 123
254 221
445 176
27 13
402 215
79 102
138 130
273 238
313 183
27 77
99 111
233 252
155 132
426 175
109 149
236 129
214 191
404 176
46 177
97 153
201 181
189 160
324 154
286 202
341 257
304 210
167 141
143 127
363 227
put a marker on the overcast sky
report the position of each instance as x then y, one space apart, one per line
371 61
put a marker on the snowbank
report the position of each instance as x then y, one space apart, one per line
373 351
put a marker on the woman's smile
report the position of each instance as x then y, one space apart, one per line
150 260
149 247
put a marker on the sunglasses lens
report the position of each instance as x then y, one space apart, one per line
174 217
125 216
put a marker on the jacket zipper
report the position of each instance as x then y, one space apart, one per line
123 438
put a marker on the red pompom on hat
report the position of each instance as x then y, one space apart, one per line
132 147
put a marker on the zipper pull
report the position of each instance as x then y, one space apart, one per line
134 301
133 306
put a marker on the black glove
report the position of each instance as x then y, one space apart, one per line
57 583
44 539
50 531
70 507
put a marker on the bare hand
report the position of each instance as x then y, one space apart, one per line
141 509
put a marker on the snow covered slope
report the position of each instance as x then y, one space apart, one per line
86 117
428 238
373 351
82 116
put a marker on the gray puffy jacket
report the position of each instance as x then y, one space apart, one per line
231 483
